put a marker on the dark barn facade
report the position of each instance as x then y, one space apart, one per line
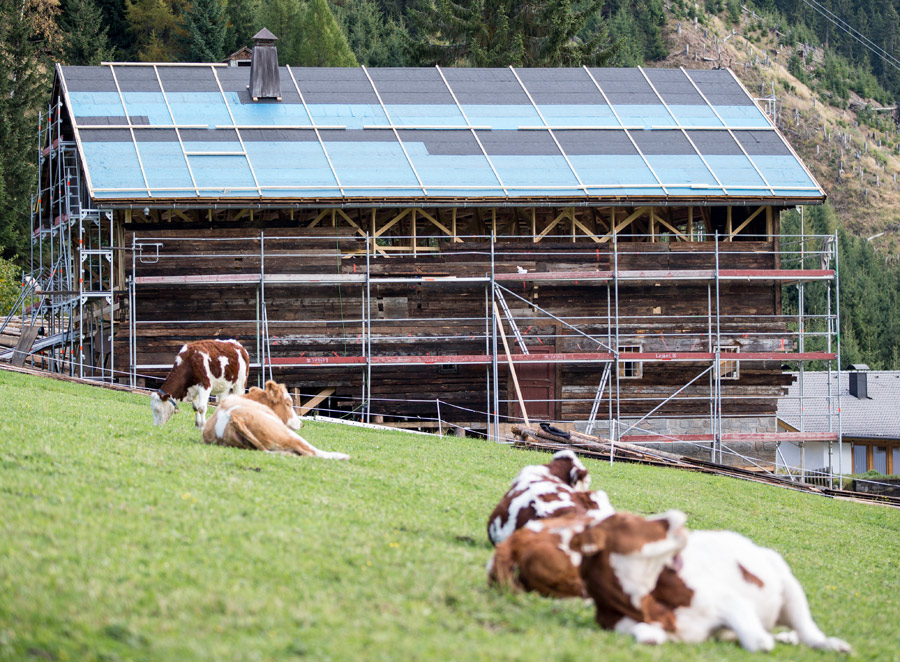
430 247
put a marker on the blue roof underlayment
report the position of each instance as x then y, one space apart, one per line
192 131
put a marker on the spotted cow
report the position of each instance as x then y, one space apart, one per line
547 490
243 423
652 579
539 557
201 369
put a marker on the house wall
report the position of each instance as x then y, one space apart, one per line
791 457
320 319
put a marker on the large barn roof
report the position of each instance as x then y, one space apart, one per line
356 136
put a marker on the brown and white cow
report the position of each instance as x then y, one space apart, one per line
201 369
243 423
547 490
651 578
276 397
539 557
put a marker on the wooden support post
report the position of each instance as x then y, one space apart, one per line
769 224
453 223
728 223
652 226
534 223
493 223
413 231
312 403
512 368
691 223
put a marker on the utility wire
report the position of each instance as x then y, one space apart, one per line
853 32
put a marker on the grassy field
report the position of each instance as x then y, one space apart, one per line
120 541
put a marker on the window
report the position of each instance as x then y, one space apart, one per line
879 459
729 369
630 369
859 459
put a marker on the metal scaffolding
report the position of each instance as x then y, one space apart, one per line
607 342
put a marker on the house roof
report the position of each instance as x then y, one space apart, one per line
875 417
582 136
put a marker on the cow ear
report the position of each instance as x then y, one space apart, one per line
590 541
272 388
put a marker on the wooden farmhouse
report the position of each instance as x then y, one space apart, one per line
430 246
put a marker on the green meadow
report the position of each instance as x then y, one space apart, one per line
121 541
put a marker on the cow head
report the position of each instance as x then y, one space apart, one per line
566 466
625 554
282 404
276 397
163 406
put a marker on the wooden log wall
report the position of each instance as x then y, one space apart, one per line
325 319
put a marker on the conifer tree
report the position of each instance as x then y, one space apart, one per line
322 42
28 33
240 17
202 35
153 24
86 41
283 18
376 40
490 33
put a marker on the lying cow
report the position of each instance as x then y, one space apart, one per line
653 579
276 397
202 368
547 490
539 557
243 423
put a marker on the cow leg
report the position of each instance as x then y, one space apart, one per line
643 633
795 614
200 402
742 619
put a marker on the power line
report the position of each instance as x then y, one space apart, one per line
853 32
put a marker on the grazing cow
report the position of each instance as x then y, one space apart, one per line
202 368
243 423
653 579
276 397
539 557
547 490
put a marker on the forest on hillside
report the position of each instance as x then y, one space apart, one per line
860 40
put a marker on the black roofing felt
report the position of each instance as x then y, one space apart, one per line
443 142
595 141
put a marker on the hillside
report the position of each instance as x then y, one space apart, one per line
851 147
121 541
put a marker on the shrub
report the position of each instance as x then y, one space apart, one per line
10 284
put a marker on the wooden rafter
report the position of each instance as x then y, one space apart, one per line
637 213
745 223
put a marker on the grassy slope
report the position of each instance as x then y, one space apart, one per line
122 541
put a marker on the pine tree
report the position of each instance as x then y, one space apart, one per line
240 16
283 18
322 43
86 41
115 20
376 41
28 33
202 35
154 27
491 33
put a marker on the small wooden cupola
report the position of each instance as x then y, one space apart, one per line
264 80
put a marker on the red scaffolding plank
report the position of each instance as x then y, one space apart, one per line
570 357
731 437
678 274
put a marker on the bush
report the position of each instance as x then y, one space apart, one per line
10 284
